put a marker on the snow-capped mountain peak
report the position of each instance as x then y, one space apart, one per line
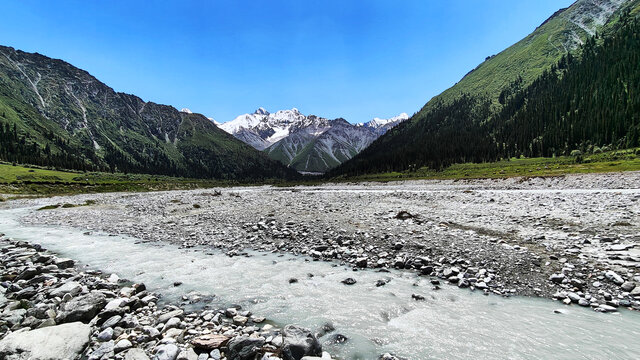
186 110
261 111
261 129
307 142
381 126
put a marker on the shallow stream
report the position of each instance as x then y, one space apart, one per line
451 323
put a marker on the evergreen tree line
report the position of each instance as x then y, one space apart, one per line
20 148
585 102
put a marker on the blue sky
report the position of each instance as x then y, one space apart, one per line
355 59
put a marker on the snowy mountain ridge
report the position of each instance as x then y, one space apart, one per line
307 143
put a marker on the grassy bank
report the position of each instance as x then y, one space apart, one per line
24 180
613 161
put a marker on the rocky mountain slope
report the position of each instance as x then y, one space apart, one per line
54 114
307 143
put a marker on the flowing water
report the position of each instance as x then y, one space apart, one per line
450 324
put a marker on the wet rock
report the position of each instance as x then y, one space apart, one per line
361 262
606 308
299 342
349 281
403 215
244 348
63 263
66 341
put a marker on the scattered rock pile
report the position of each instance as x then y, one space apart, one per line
50 309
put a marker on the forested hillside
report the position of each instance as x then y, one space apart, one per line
585 101
54 114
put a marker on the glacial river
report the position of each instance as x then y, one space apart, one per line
451 323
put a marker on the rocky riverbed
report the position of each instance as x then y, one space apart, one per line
52 309
571 238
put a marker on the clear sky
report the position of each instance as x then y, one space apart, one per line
356 59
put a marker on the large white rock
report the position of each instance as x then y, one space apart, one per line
66 341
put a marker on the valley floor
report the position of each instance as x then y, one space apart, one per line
574 238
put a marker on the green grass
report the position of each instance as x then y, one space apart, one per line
22 180
46 182
614 161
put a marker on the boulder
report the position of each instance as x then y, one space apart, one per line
82 308
299 342
244 348
66 341
63 263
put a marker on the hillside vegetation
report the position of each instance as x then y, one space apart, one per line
54 114
584 101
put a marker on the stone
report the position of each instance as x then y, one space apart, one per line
14 317
187 354
361 262
136 354
606 308
299 342
105 351
106 334
174 322
71 287
628 286
122 345
349 281
175 313
82 308
240 320
66 341
210 341
244 348
556 278
215 354
166 352
63 263
111 322
614 277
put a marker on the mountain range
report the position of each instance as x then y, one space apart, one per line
309 144
571 85
54 114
